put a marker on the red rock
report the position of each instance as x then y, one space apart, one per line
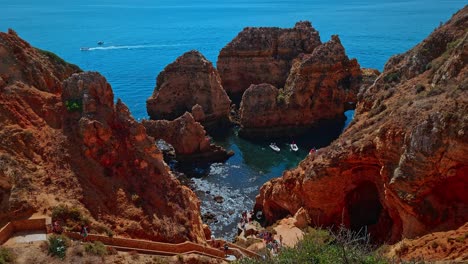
319 87
188 138
263 55
64 141
189 81
401 167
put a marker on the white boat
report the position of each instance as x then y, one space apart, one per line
274 147
294 147
84 48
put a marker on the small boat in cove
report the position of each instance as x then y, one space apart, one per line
274 147
294 147
84 49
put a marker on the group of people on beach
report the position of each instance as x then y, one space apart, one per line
271 243
246 218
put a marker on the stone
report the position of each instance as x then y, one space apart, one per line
188 138
218 199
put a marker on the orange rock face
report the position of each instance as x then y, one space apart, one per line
400 169
188 138
63 140
449 247
319 86
263 55
189 81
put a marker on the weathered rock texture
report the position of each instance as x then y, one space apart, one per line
318 88
190 84
263 55
401 167
188 138
440 247
63 140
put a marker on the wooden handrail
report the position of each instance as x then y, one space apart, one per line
186 247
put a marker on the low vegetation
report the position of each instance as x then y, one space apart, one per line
74 105
392 77
58 245
6 256
325 246
55 58
96 248
71 217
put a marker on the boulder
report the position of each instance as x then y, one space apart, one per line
188 138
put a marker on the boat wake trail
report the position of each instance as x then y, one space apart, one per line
129 47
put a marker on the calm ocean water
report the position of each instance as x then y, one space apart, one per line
141 37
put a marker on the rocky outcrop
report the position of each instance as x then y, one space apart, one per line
400 169
263 55
319 87
443 247
64 141
188 138
189 84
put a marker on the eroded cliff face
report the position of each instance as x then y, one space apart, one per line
188 137
263 55
319 87
400 169
64 141
190 84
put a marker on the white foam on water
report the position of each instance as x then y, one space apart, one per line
228 212
129 47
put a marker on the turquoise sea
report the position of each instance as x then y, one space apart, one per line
141 37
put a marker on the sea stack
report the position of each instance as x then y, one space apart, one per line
263 55
190 84
319 87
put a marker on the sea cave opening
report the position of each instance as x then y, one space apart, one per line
366 212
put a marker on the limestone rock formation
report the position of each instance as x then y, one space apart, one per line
400 169
188 138
189 83
263 55
441 247
64 141
319 87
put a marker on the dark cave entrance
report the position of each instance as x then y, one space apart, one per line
366 212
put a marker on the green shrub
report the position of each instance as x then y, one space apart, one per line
392 77
322 246
72 217
6 256
96 248
58 245
74 105
56 59
281 99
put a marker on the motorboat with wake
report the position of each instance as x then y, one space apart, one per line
84 49
274 147
293 147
